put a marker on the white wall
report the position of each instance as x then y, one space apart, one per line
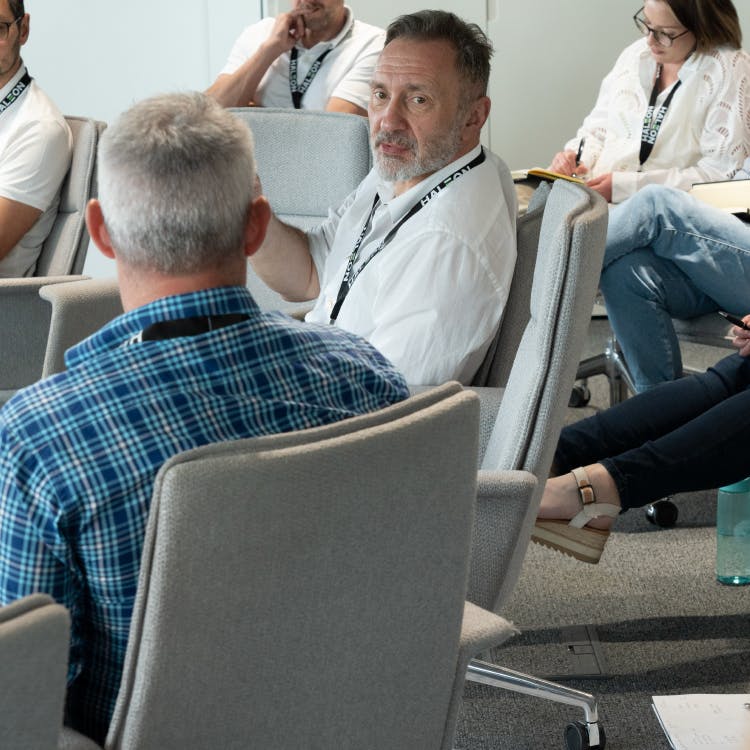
97 57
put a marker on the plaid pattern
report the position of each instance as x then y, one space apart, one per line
79 452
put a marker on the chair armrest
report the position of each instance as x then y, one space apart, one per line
503 520
78 309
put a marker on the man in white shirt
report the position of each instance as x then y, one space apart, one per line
35 148
317 56
419 259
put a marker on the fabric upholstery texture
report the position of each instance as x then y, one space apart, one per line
529 418
339 573
64 250
308 162
34 642
78 309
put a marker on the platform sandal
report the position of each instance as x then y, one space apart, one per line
573 537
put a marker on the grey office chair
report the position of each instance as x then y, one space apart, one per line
25 316
34 644
318 599
308 163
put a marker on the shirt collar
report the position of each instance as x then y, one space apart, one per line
215 301
399 205
648 67
331 43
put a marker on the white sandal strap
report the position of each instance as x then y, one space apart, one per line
594 510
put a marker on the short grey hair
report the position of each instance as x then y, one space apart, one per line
473 48
176 175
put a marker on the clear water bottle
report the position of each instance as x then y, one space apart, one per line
733 534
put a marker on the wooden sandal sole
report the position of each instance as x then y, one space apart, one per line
583 544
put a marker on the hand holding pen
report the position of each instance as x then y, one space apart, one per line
741 332
579 154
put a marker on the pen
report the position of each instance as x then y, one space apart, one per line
734 319
579 153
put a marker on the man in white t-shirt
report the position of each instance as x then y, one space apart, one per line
419 258
317 56
35 149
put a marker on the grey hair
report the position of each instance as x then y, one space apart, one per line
176 176
473 48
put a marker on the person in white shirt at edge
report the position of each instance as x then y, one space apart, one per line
317 50
35 149
427 242
673 110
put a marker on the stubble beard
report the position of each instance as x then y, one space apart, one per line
437 153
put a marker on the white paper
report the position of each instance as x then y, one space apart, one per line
705 722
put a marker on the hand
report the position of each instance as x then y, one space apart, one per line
603 185
565 163
287 30
742 338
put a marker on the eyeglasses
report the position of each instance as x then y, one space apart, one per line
660 37
5 27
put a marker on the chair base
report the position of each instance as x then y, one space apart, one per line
508 679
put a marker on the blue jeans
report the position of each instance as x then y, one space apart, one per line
686 435
669 255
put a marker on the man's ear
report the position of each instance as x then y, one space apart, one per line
478 112
256 224
97 228
23 29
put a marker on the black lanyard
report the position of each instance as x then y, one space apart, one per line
654 117
350 275
15 92
298 91
171 329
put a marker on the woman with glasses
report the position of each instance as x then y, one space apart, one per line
674 108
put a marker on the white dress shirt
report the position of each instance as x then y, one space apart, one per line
345 72
705 135
431 301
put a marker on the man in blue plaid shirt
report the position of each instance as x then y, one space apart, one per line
192 361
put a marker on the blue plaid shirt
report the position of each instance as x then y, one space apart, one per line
79 452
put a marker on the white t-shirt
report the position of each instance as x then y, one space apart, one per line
705 135
431 301
35 150
345 72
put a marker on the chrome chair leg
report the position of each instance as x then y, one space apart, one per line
508 679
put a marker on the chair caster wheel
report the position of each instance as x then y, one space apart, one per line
577 737
662 513
579 396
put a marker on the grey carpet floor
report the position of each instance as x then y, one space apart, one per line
658 620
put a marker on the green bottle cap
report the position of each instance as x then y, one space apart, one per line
737 487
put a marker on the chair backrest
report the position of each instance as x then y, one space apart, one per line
527 426
496 366
64 250
24 331
78 309
305 590
308 163
34 645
